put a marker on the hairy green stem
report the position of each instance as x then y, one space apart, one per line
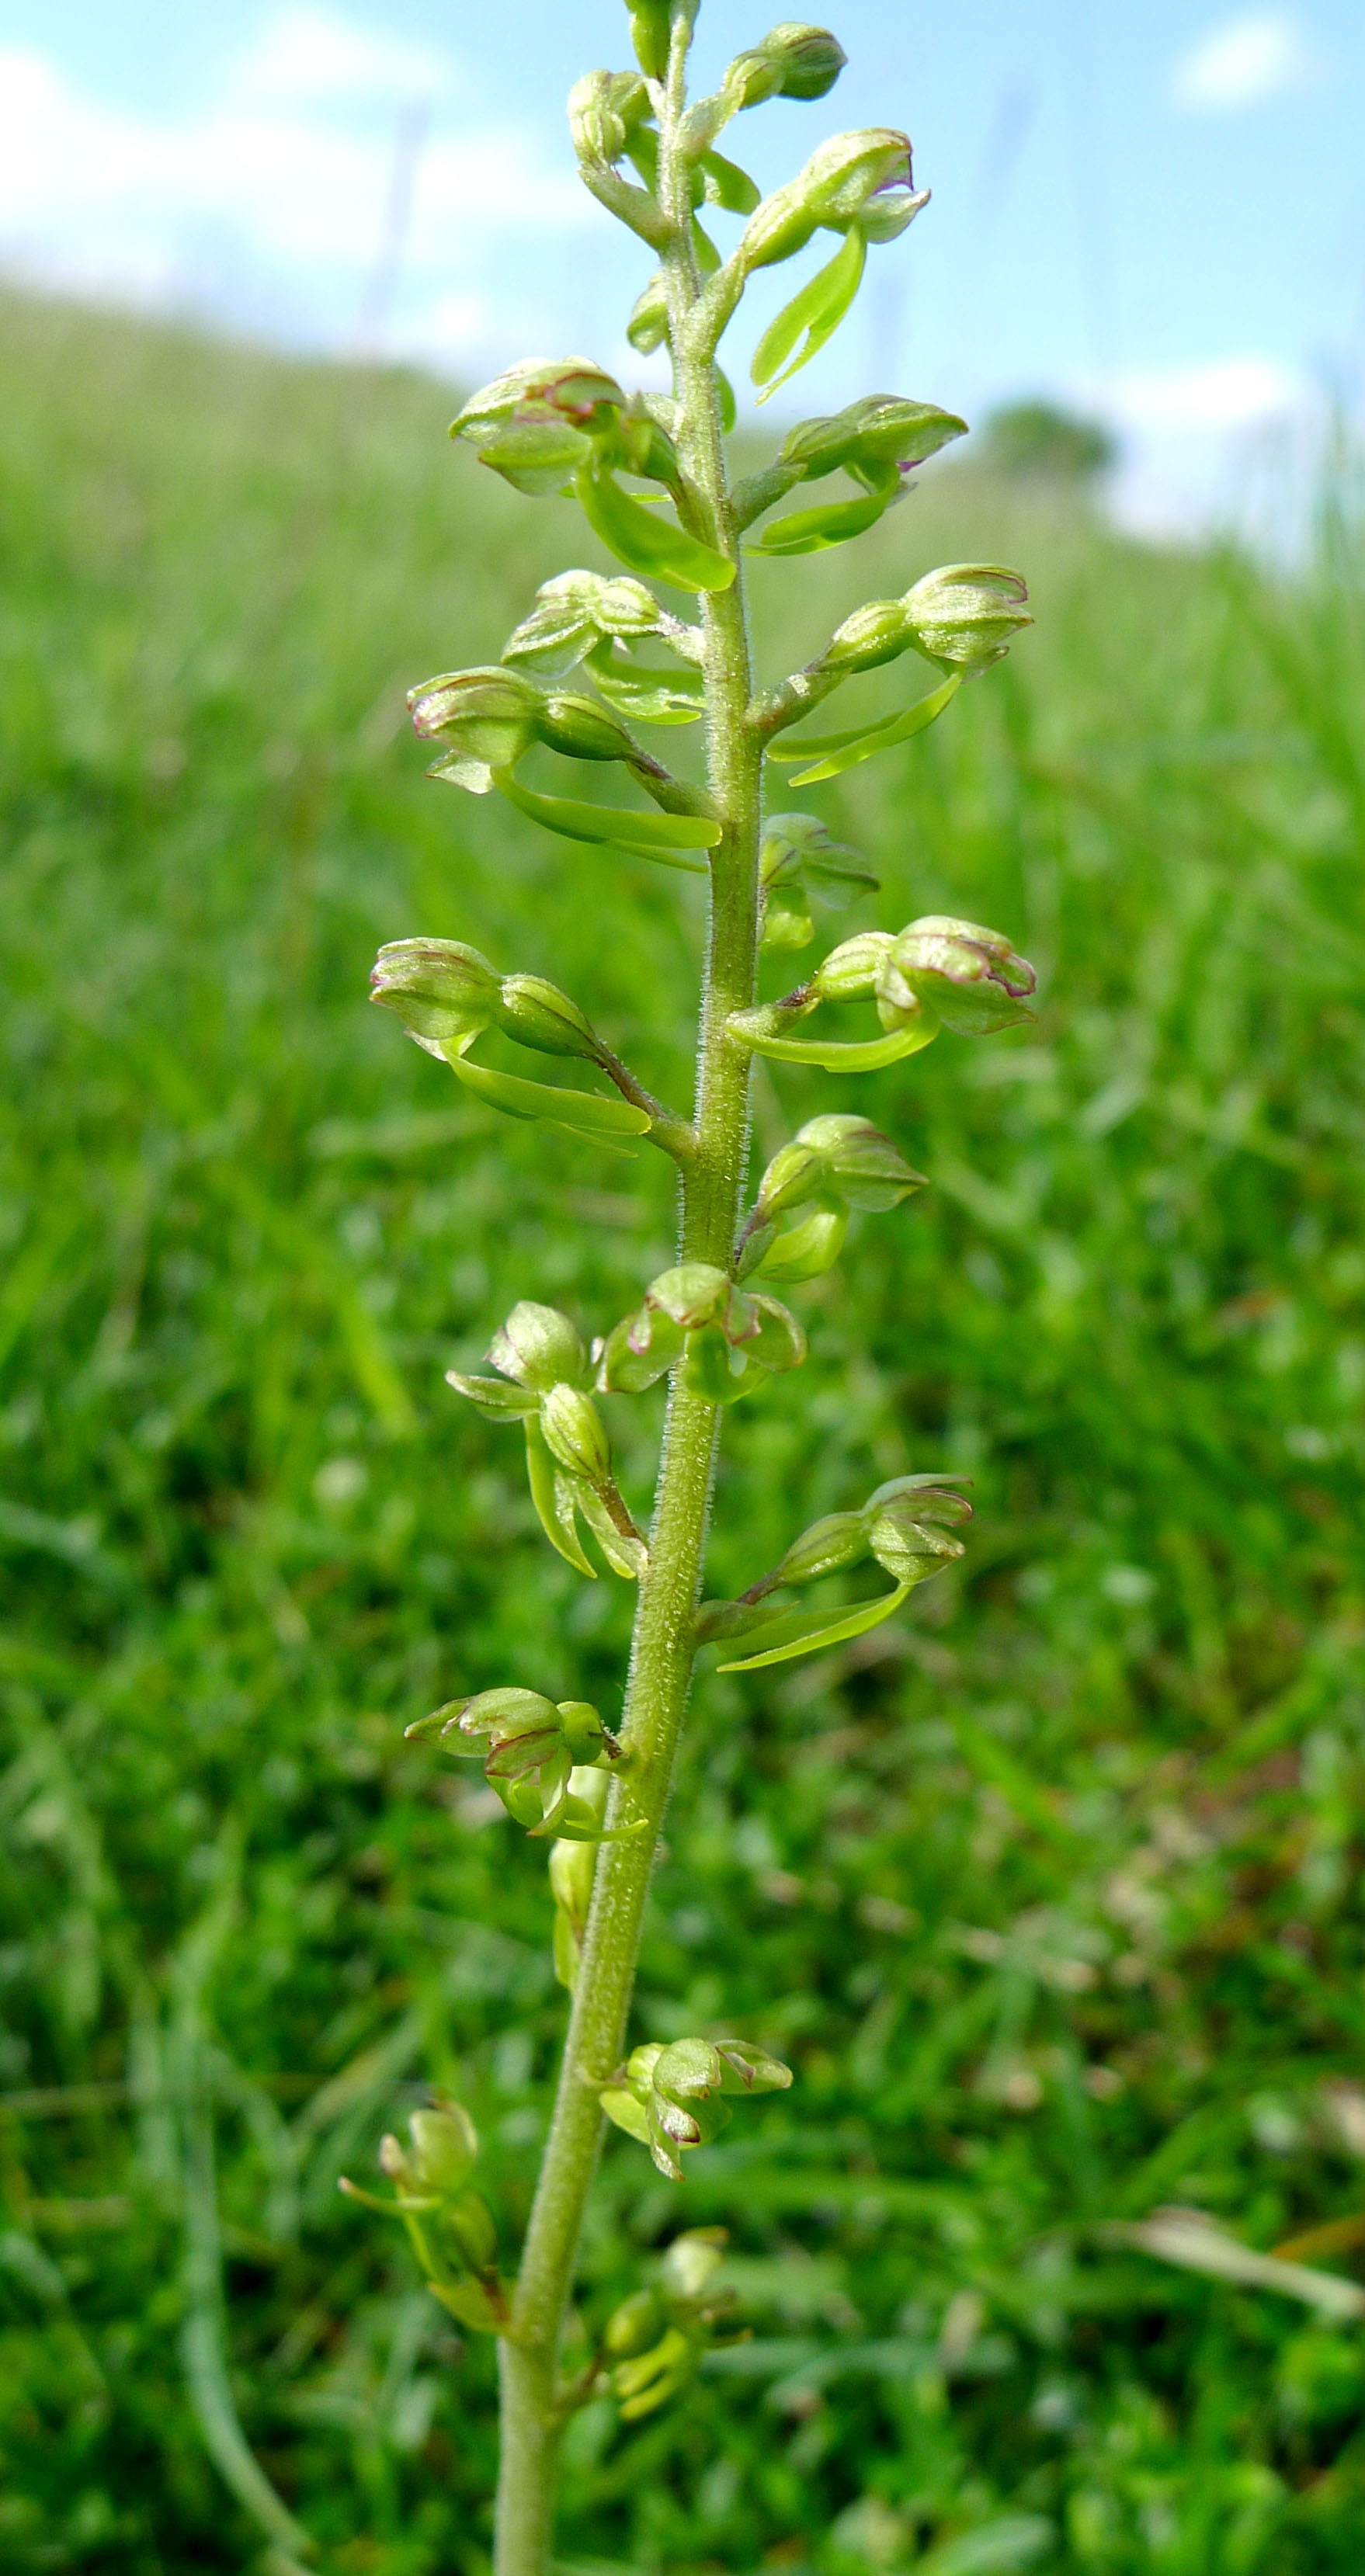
662 1650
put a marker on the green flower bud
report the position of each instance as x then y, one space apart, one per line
692 2261
650 22
604 109
441 990
851 969
635 2326
470 2226
573 612
490 716
845 173
881 429
445 2144
966 613
907 1523
795 61
810 58
576 1434
537 1346
538 1015
969 976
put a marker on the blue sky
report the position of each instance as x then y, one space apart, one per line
1156 210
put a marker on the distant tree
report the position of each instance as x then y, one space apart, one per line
1039 439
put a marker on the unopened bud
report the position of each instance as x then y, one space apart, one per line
604 108
966 613
537 1346
908 1523
970 977
576 1434
441 990
844 174
538 1015
445 2144
881 429
795 61
489 715
573 612
692 2261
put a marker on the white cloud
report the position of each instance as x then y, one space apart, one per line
1220 395
267 203
1246 61
307 55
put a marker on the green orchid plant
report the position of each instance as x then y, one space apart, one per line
578 677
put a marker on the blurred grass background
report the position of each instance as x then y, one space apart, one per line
1051 1894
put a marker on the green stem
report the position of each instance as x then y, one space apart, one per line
662 1650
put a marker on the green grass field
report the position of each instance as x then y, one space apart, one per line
1052 1893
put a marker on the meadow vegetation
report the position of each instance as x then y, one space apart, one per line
1051 1894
